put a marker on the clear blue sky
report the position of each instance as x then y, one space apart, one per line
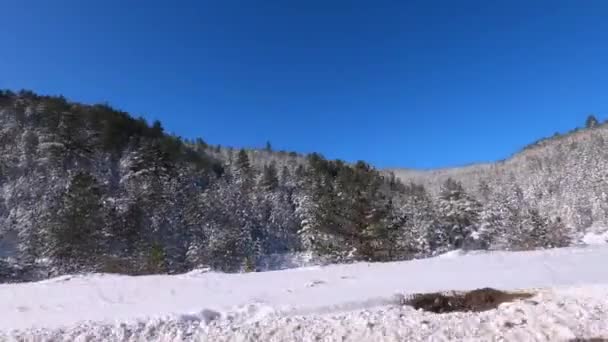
396 83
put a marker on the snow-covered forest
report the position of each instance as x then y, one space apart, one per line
88 188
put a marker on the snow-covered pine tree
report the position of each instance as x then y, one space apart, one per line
458 218
416 220
74 233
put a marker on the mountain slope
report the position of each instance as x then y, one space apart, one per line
564 176
88 188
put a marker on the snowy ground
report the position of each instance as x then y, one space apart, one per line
596 237
356 302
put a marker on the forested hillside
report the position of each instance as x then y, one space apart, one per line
564 178
88 188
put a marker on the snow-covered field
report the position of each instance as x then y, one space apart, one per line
353 302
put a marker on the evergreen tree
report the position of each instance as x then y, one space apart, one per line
501 217
285 177
127 235
229 226
157 129
75 233
458 217
242 161
269 180
591 122
415 216
242 170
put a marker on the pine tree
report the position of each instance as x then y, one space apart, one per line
156 260
285 177
319 209
558 234
458 217
415 216
242 161
229 225
502 217
591 122
127 235
242 171
269 180
75 234
157 129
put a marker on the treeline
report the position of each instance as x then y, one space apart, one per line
91 189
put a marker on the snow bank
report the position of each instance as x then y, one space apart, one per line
459 253
595 238
334 298
560 315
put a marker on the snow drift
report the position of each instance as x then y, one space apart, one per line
355 301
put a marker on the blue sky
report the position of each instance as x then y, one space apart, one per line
397 83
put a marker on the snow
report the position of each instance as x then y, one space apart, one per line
595 238
458 253
356 301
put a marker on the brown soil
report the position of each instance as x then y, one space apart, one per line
476 300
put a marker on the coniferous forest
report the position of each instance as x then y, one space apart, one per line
88 188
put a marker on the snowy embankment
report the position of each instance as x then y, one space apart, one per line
353 301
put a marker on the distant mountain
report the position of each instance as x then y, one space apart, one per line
564 176
88 188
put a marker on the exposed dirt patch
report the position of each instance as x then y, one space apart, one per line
476 300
